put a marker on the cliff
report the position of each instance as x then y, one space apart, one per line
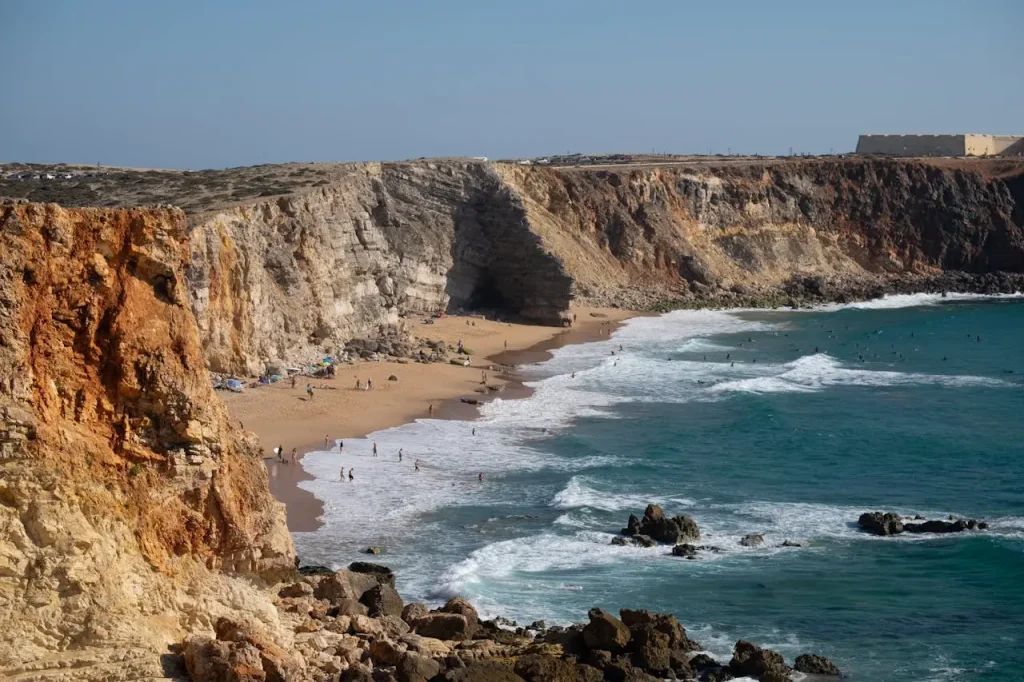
282 280
127 500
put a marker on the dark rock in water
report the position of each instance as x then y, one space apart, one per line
632 526
605 631
752 540
815 665
382 600
982 525
662 528
381 573
702 662
957 526
881 523
750 659
621 541
373 549
470 401
790 543
315 570
642 540
686 551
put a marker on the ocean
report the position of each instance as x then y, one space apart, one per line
784 423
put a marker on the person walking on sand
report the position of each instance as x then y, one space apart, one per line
342 474
430 410
359 385
327 442
374 448
295 455
341 446
280 453
309 391
369 384
483 377
293 381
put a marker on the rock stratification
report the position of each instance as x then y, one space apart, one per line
127 500
286 279
283 279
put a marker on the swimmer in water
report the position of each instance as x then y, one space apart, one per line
480 477
351 476
399 454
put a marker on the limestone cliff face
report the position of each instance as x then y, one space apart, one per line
655 231
127 500
287 279
283 280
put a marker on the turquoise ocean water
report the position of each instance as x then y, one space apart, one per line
911 404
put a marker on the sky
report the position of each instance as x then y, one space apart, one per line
213 84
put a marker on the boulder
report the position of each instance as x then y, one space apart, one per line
482 671
685 550
392 378
364 625
570 639
753 661
632 526
881 523
957 526
413 611
382 574
296 590
413 667
208 660
752 540
605 631
463 607
790 543
649 649
427 646
541 668
383 651
345 585
642 619
383 600
278 664
813 664
393 626
373 549
451 626
348 607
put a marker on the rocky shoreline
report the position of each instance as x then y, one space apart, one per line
351 625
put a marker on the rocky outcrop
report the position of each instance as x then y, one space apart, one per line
890 523
656 526
127 500
289 279
284 280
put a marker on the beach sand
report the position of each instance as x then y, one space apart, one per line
282 416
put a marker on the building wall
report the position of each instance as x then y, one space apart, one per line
935 145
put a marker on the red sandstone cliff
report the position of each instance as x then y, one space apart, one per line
127 499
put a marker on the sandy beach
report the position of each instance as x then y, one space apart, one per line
282 416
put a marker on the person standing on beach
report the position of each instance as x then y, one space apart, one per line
351 477
369 384
483 377
295 455
293 381
327 442
309 391
399 454
430 410
342 474
374 448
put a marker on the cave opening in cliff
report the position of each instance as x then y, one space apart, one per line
487 295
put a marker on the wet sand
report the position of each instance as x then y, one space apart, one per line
282 416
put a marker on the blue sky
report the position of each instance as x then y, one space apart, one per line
192 84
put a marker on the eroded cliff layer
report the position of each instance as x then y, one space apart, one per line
281 280
285 279
126 497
